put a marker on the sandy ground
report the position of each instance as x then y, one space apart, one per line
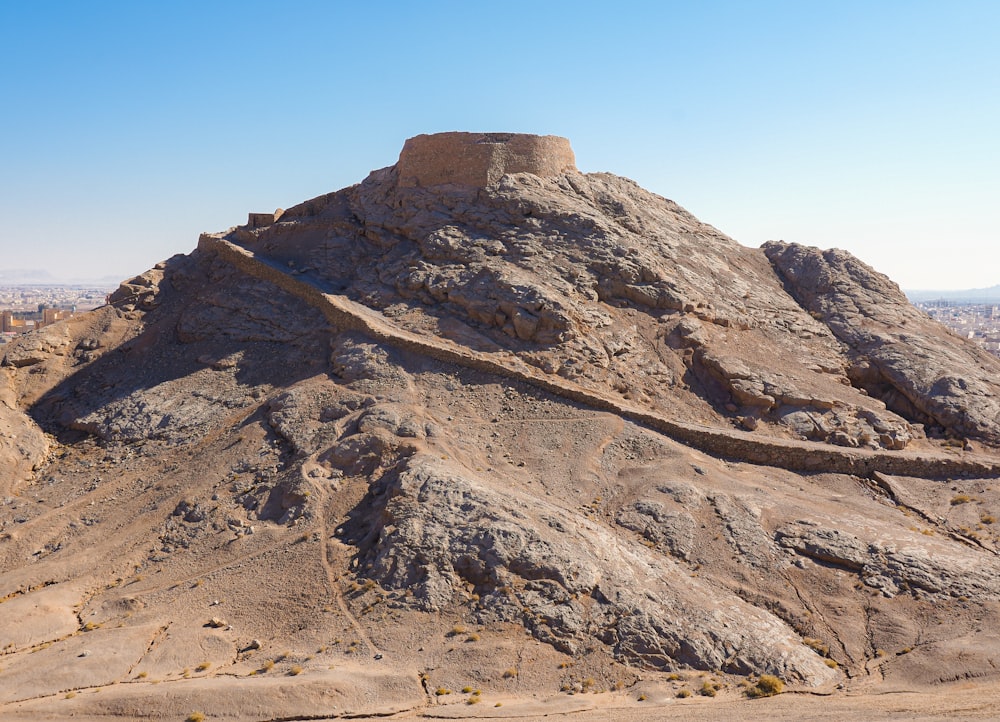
325 695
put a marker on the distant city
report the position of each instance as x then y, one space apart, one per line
27 307
978 322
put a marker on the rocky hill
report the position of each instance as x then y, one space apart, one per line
484 422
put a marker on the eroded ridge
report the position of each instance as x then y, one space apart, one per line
345 314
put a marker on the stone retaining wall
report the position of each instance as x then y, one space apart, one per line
346 315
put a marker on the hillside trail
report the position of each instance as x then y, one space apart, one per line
331 546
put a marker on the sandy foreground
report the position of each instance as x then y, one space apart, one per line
356 694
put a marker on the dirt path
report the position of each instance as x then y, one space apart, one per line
328 546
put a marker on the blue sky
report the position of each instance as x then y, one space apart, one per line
127 128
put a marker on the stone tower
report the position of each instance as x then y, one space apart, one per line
480 159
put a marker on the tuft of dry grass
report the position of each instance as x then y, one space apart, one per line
767 686
817 645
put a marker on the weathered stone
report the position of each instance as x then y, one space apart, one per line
898 354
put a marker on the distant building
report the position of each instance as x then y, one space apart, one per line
24 321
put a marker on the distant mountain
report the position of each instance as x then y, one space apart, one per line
26 275
973 295
34 276
108 280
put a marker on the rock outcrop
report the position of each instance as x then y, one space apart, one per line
895 352
502 425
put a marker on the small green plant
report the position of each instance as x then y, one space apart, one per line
442 691
707 689
202 667
683 694
466 689
960 499
510 673
831 663
295 670
767 686
195 717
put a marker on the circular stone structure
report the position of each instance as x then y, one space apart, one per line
480 159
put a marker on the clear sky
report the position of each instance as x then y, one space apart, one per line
126 128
